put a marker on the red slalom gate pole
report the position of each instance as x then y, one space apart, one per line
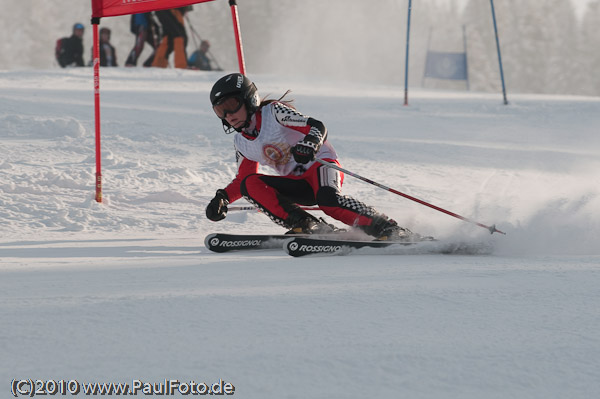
492 229
238 36
95 22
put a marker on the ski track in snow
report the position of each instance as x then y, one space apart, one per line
125 289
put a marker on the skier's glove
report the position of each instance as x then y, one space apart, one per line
305 150
217 209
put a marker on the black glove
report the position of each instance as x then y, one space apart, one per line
217 209
305 150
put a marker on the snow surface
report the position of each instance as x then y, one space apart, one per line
126 290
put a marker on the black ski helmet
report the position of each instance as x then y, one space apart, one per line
236 85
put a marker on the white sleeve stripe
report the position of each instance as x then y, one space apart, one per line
288 116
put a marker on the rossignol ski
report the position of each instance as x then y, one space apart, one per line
301 246
221 242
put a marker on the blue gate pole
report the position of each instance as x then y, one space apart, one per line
406 63
464 29
499 55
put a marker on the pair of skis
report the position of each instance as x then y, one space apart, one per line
294 245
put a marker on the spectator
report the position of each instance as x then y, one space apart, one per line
69 50
174 38
108 56
199 58
145 29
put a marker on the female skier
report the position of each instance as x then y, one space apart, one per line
272 133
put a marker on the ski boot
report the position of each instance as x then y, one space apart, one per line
384 229
305 223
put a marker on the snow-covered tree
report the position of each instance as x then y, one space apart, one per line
484 74
590 43
538 41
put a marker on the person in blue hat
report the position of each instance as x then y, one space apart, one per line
69 50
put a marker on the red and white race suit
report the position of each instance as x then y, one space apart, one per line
273 130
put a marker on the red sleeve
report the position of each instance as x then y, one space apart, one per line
246 167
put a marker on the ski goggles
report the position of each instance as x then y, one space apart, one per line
227 105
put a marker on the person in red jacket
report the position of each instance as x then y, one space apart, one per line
274 134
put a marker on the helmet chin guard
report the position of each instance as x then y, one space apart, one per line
227 128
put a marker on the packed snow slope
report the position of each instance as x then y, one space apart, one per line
125 290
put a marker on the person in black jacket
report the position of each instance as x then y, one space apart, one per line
174 38
108 55
69 50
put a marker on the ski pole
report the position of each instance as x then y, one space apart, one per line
492 229
194 34
252 208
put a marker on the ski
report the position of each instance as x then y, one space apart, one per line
224 242
221 242
302 246
310 245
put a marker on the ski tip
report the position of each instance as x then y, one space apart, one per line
286 247
208 238
211 242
